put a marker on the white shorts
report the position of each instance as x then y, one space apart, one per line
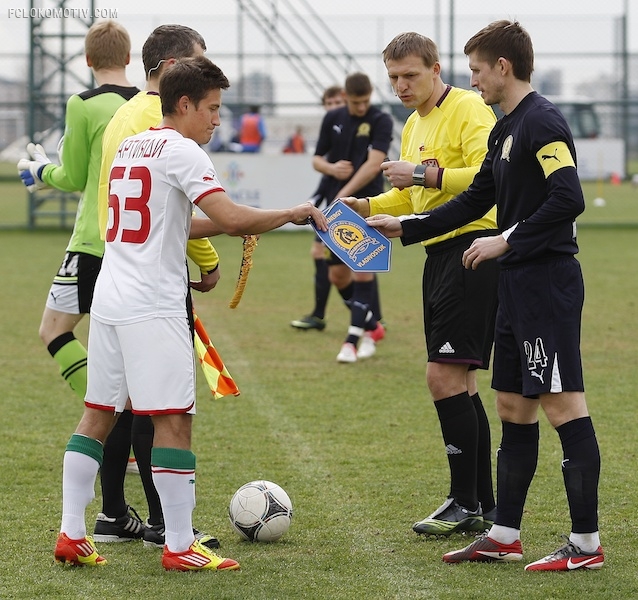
152 362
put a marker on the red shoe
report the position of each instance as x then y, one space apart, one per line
197 558
379 333
77 553
569 558
485 549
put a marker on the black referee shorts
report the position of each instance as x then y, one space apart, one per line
459 305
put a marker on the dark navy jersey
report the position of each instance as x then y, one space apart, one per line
346 137
530 169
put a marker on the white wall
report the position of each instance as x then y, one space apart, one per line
599 158
267 180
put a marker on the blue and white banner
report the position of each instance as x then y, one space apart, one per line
359 246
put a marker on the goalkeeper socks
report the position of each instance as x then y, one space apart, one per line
322 288
117 449
174 477
484 483
70 355
142 439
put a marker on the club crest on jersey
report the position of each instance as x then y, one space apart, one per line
363 130
507 148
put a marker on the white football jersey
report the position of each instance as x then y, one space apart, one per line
155 179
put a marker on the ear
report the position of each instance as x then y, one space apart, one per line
128 58
504 65
182 104
89 62
164 65
436 68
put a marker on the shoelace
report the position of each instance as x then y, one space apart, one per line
138 521
565 550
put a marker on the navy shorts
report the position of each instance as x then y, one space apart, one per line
537 336
459 305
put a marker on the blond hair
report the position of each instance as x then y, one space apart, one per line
108 45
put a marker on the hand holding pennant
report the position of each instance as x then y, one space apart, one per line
359 246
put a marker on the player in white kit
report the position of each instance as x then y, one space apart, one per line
140 345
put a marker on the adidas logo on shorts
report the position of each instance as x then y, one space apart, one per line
446 348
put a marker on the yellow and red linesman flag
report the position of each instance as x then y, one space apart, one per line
217 376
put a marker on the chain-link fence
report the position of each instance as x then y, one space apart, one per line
283 61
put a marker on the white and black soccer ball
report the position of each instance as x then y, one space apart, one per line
260 511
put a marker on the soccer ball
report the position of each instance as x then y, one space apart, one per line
260 511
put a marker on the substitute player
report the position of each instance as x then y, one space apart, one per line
530 170
333 97
140 336
353 142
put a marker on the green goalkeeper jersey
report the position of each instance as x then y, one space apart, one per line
87 115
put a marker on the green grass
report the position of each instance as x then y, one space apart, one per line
357 447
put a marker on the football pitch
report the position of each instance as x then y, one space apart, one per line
357 447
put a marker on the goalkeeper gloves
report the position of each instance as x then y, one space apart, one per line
31 170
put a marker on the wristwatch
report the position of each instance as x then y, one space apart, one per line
418 177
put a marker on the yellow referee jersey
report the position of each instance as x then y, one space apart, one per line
452 137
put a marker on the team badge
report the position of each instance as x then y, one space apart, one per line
363 130
361 247
507 148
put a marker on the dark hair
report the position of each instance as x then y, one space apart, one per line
358 84
331 92
169 41
192 77
412 44
507 39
